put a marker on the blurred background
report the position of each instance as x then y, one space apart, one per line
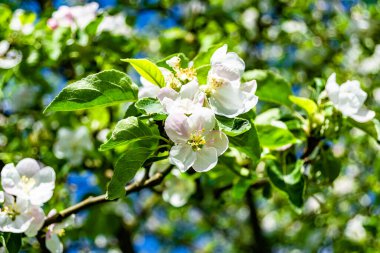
301 40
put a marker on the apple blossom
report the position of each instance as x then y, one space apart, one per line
197 145
227 96
54 231
73 17
349 99
22 22
115 25
29 181
17 215
9 58
72 144
187 100
178 188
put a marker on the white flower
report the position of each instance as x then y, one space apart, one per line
187 100
72 144
29 181
197 145
344 185
56 230
17 215
178 189
355 230
8 58
73 17
349 99
227 96
115 25
22 22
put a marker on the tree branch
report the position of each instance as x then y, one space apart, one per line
154 180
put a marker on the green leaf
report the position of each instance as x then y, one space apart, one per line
102 89
148 70
274 137
293 183
240 188
307 104
247 143
233 127
127 131
271 87
126 167
328 165
151 106
204 57
202 73
184 61
372 127
13 242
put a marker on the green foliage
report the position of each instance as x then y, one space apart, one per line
102 89
292 182
272 87
148 70
151 107
126 167
203 57
372 128
307 104
233 127
274 137
248 143
127 131
11 242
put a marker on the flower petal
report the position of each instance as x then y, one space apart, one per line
177 127
27 167
10 179
206 159
353 87
332 89
202 120
53 243
219 55
189 90
167 92
37 222
182 156
218 140
43 190
363 115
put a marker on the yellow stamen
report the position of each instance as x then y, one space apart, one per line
187 74
197 140
27 183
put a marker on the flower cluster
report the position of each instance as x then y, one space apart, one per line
73 17
26 188
192 106
9 58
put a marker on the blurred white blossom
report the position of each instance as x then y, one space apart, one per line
344 185
178 188
22 22
72 144
9 58
116 25
355 230
54 231
76 17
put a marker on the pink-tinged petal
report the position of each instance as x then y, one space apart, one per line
219 55
177 127
218 140
45 183
182 156
37 222
10 179
167 92
206 159
27 167
190 89
363 115
2 197
332 89
202 120
53 243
